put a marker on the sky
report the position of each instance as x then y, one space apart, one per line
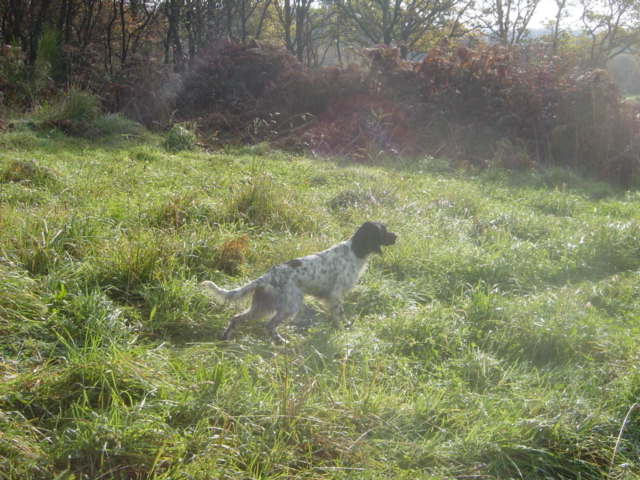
547 10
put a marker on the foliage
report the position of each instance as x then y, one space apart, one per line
476 102
476 105
50 55
403 24
79 113
74 113
363 128
162 63
144 91
249 92
179 138
22 84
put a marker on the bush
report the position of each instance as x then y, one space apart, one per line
145 92
510 103
487 105
79 113
231 78
180 138
595 130
255 92
75 114
115 124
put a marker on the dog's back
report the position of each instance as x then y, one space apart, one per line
322 273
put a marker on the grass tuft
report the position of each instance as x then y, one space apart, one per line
128 263
114 124
262 202
24 330
22 452
28 172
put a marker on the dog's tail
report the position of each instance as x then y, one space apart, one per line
235 295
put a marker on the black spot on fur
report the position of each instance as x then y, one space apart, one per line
295 263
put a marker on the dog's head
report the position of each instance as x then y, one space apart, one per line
370 237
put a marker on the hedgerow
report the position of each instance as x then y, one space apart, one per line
481 105
514 106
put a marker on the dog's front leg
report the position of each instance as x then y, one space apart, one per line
336 313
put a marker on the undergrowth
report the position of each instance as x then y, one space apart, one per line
497 338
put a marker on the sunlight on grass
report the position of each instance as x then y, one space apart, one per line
497 339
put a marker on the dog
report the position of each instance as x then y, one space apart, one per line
326 275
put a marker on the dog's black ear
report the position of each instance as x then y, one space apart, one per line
368 239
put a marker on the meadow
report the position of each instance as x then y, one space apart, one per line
498 339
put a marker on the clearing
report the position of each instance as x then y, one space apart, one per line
497 339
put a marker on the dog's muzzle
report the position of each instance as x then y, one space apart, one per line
389 238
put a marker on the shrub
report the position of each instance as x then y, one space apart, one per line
523 104
79 113
115 124
144 91
595 130
486 105
362 127
234 88
74 115
50 57
231 77
179 138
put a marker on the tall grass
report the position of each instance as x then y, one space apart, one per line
497 338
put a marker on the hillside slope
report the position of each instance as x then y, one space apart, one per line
497 339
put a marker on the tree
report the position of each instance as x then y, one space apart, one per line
22 22
507 20
294 16
556 29
612 26
399 22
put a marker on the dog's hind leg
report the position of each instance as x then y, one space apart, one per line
235 320
287 307
277 319
261 306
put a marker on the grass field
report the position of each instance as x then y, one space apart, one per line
497 339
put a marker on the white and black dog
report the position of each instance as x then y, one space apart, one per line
327 275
